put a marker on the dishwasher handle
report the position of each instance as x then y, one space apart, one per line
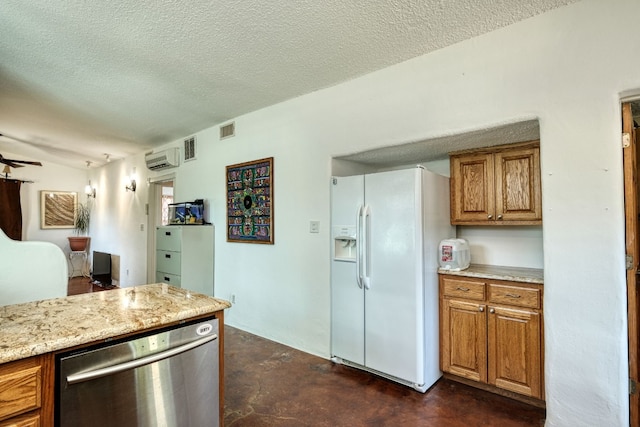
136 363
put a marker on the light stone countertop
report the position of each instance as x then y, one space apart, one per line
514 274
40 327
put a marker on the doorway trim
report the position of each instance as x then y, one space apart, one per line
632 254
153 208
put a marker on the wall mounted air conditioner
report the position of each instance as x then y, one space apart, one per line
164 159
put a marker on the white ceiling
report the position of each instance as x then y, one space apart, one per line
79 79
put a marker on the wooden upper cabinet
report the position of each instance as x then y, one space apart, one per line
497 186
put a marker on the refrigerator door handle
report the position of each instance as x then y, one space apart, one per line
359 247
366 213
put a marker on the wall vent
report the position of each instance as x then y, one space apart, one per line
190 149
228 130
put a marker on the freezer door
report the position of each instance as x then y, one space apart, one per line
394 322
347 297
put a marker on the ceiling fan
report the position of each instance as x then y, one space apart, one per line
16 163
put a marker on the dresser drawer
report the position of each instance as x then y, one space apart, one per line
171 279
20 387
514 295
169 238
168 262
466 289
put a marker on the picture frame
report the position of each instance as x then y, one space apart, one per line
58 209
250 202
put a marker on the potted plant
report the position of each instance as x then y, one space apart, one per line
81 227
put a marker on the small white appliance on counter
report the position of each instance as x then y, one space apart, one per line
453 254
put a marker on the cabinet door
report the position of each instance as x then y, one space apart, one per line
518 191
464 342
472 188
514 350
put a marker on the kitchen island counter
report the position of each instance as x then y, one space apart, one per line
494 272
47 326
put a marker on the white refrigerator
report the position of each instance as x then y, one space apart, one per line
386 228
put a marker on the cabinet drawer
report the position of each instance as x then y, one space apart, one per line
168 238
514 295
463 289
24 421
20 388
171 279
168 262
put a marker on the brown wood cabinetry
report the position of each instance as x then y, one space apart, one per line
23 392
497 185
491 333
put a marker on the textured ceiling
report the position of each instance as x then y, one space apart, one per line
80 79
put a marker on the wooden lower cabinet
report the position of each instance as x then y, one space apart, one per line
491 333
464 339
24 392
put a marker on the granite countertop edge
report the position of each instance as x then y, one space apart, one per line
495 272
40 327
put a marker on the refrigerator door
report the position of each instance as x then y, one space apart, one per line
394 315
347 297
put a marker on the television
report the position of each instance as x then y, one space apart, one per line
101 268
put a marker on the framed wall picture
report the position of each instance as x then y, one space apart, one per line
250 202
57 209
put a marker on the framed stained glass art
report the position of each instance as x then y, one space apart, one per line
250 202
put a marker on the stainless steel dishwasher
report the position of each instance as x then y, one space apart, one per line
164 379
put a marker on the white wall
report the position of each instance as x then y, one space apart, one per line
567 67
49 176
119 222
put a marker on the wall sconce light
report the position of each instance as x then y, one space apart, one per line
90 191
131 182
131 186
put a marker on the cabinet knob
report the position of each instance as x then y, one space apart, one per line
481 308
492 310
489 216
499 216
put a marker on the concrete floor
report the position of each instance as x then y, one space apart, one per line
268 384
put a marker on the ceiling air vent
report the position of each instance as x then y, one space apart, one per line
228 130
190 149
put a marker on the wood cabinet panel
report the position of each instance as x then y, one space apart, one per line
514 295
514 350
496 185
473 192
464 342
20 387
23 421
492 337
463 289
518 194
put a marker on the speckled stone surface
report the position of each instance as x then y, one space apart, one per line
44 326
495 272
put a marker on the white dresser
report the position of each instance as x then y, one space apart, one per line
184 257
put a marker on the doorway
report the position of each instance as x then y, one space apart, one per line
630 118
160 196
